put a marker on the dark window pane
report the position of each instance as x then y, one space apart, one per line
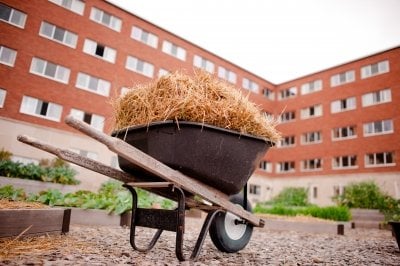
5 12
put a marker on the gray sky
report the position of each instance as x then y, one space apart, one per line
278 40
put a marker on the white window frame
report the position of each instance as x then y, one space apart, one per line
311 111
287 142
265 166
76 6
13 16
144 36
3 94
268 93
9 58
174 50
227 74
250 85
311 87
338 162
343 105
96 121
376 97
70 39
90 47
381 127
313 137
83 81
375 163
311 165
340 134
139 66
375 69
343 78
97 15
203 63
255 189
39 67
30 105
287 93
287 117
281 167
163 72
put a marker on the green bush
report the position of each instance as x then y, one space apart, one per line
62 174
292 196
9 192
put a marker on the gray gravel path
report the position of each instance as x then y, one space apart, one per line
110 246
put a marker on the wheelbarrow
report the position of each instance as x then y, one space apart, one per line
197 165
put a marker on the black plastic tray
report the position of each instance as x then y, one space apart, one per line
223 159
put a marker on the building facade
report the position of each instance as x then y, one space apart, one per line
60 57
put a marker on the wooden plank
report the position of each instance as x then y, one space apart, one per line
161 170
40 221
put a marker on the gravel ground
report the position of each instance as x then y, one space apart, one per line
86 245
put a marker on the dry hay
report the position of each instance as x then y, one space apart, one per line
10 204
200 98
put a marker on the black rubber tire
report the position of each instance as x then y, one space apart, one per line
219 235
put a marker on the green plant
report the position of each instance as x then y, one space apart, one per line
364 195
292 196
9 192
5 155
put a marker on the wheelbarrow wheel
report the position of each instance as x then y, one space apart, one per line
230 233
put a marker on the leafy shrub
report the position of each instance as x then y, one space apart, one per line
292 196
9 192
56 174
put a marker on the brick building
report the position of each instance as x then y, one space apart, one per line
60 57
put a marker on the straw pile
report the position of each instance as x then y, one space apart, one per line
200 98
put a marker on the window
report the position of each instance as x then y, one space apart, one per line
284 167
105 19
377 97
314 192
338 190
342 78
346 132
287 141
162 72
58 34
143 36
250 85
379 159
375 69
288 93
268 93
139 66
227 75
311 165
254 189
312 111
378 127
124 91
174 50
95 121
7 56
311 137
203 63
287 116
12 16
3 94
343 105
266 166
100 51
93 84
76 6
36 107
311 87
349 161
50 70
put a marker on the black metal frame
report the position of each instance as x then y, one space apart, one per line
170 220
